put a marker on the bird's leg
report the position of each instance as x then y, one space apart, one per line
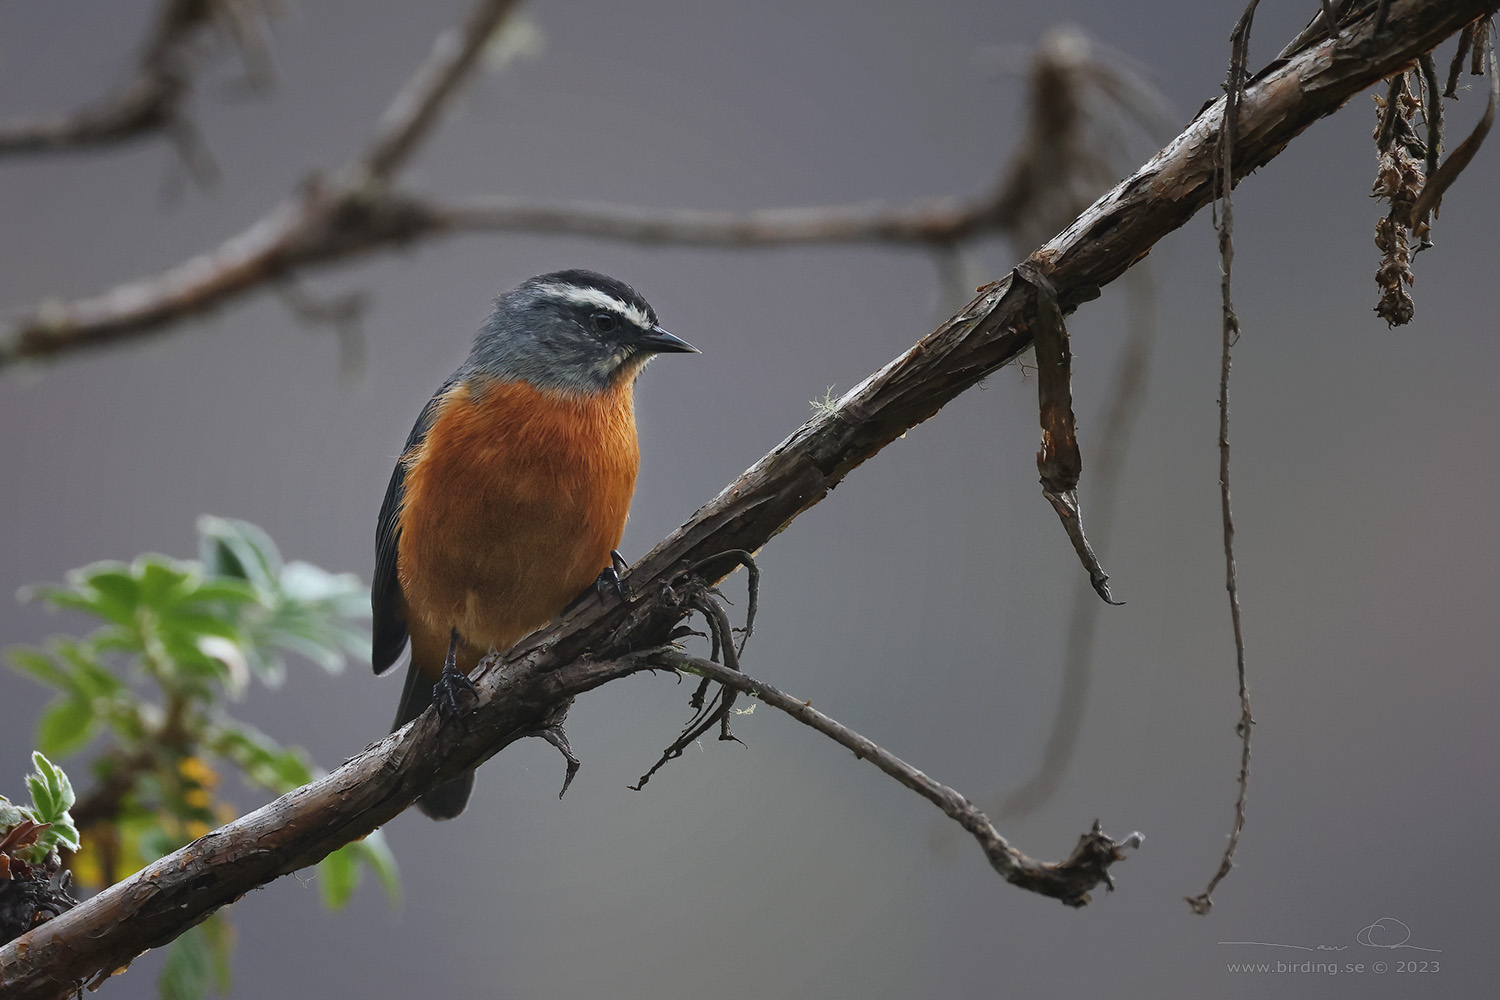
445 692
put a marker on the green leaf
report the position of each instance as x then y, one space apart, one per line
223 590
264 761
93 678
221 948
51 798
66 725
305 583
112 580
238 549
51 791
163 581
292 767
108 590
11 814
340 873
375 852
189 969
330 659
338 876
193 623
62 833
40 667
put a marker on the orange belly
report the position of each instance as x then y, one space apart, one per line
514 499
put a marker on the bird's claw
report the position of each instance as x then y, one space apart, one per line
447 691
608 582
609 577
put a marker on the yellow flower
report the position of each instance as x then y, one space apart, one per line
195 770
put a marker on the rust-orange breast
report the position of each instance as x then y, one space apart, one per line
514 499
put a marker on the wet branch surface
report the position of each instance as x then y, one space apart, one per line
531 689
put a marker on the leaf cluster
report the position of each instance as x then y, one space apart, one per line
33 888
177 641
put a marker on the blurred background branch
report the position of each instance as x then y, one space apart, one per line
154 100
1083 100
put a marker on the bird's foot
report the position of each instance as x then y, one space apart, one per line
608 580
450 688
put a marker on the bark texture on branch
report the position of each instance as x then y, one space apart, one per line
534 684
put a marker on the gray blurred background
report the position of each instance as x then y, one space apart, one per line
924 603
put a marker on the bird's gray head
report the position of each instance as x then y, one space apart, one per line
578 332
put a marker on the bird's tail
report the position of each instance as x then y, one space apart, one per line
448 799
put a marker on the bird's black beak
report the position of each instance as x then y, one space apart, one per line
659 341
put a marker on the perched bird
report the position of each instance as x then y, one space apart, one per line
511 494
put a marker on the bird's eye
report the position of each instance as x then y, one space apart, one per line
605 322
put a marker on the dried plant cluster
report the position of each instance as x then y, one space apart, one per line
1407 175
1398 180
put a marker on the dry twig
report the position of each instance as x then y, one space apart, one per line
1228 136
1440 180
1069 881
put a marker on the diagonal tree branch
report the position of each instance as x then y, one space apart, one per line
533 685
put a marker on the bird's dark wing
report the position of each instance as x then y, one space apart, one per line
385 592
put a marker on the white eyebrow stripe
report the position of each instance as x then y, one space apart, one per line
594 297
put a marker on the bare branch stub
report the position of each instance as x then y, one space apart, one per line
1465 43
1059 461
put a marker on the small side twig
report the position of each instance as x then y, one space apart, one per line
1439 182
1460 55
696 595
1330 19
559 738
417 107
1240 47
1432 111
1070 880
1382 15
714 566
